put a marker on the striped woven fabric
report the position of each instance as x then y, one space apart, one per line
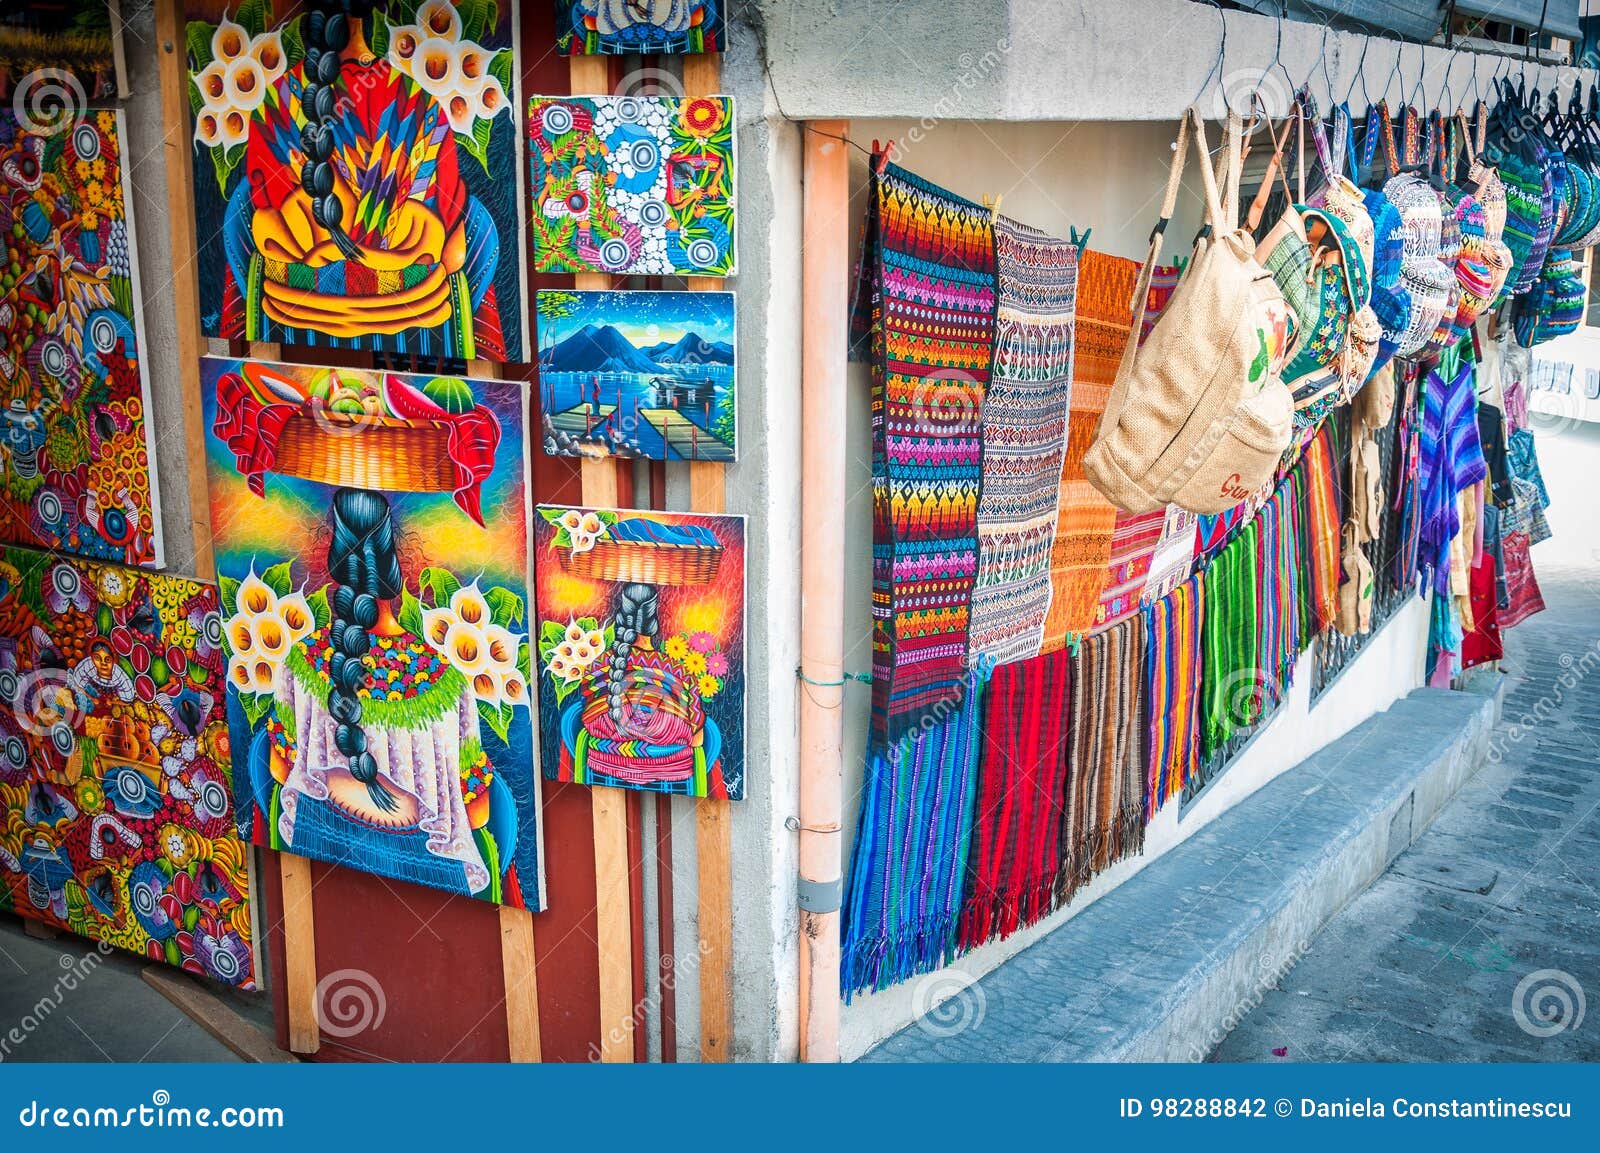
1172 690
1085 519
930 256
1012 863
1175 552
1024 436
1133 546
1321 540
909 861
1106 760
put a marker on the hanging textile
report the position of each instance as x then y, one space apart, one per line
1024 435
1012 862
1106 765
1085 519
1522 588
1483 644
1324 516
1133 547
908 864
1451 460
1173 560
1172 671
930 259
1229 642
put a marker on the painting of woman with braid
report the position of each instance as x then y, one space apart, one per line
371 540
356 176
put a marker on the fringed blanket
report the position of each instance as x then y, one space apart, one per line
1104 821
909 862
930 259
1172 675
1011 866
1024 435
1085 519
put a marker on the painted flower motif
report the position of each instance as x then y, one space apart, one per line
179 845
708 685
677 648
230 41
470 605
695 663
717 664
571 519
255 596
436 626
65 588
702 642
702 116
115 589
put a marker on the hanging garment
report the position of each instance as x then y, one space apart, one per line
1024 436
1481 644
930 259
1021 799
908 864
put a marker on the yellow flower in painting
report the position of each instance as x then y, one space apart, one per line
677 648
107 121
178 844
94 194
81 167
709 685
97 167
695 663
91 796
90 221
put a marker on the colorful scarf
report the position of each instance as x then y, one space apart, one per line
1133 546
1323 519
909 861
1024 436
1011 868
1229 641
930 258
1106 766
1085 519
1172 670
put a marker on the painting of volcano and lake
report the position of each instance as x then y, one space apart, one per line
637 374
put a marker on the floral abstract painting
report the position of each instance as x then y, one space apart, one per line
59 55
664 27
643 374
76 468
116 808
357 174
371 535
632 185
641 649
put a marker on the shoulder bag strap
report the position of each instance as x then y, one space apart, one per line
1141 293
1386 123
1275 167
1340 149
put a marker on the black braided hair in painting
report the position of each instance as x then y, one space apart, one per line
326 32
363 564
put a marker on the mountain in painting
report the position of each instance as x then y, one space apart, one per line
597 349
691 348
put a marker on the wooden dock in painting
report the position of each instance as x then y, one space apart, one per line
685 440
579 419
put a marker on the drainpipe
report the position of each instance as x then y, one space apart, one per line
825 294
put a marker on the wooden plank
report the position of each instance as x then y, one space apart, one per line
214 1015
179 149
517 963
702 76
602 485
299 953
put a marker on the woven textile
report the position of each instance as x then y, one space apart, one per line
1451 461
1175 552
908 864
1024 436
1012 863
1321 541
1172 672
1085 519
1482 642
1522 588
930 257
1106 765
1134 538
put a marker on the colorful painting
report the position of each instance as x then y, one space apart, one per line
357 174
640 374
641 649
116 806
632 185
56 57
76 469
616 27
371 535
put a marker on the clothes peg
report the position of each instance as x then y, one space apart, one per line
993 206
1082 241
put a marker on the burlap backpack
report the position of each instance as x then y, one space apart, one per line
1198 415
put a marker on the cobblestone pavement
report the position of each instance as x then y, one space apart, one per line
1482 941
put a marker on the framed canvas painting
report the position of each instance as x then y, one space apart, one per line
357 174
371 534
78 472
663 27
116 808
59 56
641 649
632 185
640 374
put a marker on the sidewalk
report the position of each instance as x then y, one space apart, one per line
1482 941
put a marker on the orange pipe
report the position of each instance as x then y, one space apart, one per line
825 299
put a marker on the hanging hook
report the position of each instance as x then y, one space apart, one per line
1394 73
1360 73
1276 61
1222 55
1422 74
1322 62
